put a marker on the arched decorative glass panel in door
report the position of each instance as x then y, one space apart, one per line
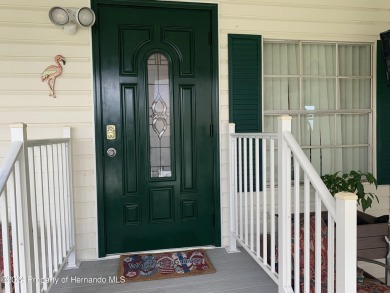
159 116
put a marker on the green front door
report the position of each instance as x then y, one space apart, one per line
155 112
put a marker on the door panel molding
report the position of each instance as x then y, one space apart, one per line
130 34
162 205
188 134
129 104
179 34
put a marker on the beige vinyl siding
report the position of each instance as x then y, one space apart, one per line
28 43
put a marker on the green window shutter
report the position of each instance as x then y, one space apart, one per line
245 88
383 127
245 82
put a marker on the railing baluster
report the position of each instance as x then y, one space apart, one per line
65 184
48 184
251 192
64 238
306 241
265 205
22 241
68 193
34 217
59 213
14 229
6 240
63 224
240 186
237 184
296 226
272 195
56 230
331 255
41 228
317 241
265 194
288 215
257 158
246 189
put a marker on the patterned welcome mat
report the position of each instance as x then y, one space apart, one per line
146 267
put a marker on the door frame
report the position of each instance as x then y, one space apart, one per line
99 136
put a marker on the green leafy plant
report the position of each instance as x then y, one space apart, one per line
352 182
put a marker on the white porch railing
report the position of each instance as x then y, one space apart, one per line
265 225
36 210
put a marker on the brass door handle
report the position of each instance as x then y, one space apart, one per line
111 152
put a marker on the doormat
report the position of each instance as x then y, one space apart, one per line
147 267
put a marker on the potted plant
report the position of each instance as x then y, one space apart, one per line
352 182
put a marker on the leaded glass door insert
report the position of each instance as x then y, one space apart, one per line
159 116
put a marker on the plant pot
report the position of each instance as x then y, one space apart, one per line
371 241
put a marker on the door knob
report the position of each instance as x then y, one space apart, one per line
111 152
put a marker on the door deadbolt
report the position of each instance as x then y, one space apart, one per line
111 152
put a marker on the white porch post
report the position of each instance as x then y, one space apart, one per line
24 227
284 161
72 259
232 187
346 242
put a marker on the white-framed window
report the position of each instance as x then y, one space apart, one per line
327 89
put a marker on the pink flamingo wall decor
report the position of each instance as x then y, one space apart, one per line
50 73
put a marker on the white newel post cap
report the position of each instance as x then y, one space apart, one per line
346 196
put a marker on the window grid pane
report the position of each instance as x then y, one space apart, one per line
319 59
281 93
330 102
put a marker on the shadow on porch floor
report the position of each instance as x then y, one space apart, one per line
236 273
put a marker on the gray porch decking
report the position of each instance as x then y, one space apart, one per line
236 272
